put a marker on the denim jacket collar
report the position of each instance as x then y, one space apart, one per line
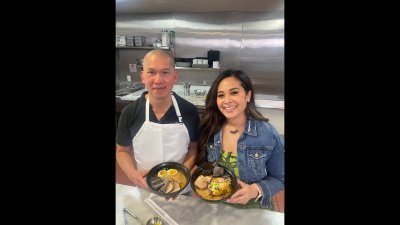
251 128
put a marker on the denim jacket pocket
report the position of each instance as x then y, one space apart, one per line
257 157
211 156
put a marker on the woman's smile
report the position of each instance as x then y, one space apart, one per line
229 109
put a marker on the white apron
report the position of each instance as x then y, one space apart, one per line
156 143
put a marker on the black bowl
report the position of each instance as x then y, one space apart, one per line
152 174
207 169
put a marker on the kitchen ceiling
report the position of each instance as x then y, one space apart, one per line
166 6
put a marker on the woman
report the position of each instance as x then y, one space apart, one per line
235 134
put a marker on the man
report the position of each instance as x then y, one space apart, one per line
160 126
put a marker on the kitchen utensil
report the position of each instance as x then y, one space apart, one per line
186 91
125 210
199 92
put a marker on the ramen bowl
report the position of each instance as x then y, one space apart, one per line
168 179
216 182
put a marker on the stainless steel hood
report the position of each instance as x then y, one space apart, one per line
159 6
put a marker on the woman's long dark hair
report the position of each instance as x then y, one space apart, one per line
213 119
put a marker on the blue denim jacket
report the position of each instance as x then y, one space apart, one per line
260 157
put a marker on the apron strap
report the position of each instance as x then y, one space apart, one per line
178 112
147 109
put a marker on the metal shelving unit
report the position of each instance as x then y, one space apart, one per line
188 68
144 47
195 68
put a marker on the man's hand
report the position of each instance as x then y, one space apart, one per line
137 177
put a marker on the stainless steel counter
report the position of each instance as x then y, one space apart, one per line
186 210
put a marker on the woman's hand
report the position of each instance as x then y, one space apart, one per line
193 169
138 179
244 194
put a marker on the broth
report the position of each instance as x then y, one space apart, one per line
204 193
180 177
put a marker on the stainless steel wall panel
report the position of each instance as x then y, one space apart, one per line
251 41
270 47
267 77
198 77
144 22
196 33
262 51
209 22
263 22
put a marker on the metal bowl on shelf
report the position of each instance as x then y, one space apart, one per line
155 221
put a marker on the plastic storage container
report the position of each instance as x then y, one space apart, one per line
164 38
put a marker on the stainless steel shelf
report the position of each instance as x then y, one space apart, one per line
188 68
194 68
144 47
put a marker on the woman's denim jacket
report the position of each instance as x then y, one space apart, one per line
260 157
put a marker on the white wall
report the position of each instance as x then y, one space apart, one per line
276 118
